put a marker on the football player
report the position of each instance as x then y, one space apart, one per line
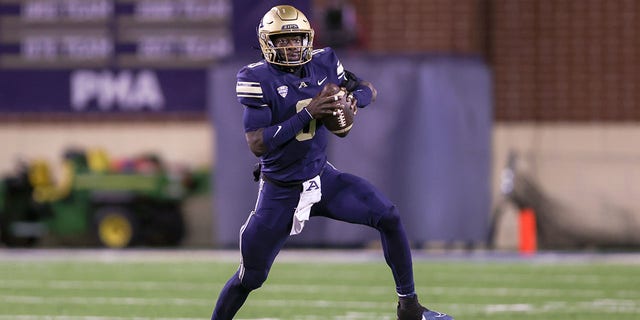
284 105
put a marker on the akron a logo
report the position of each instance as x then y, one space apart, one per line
313 186
283 90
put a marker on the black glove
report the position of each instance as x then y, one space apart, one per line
350 81
257 170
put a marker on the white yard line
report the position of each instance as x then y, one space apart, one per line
104 285
370 308
41 317
608 306
512 278
23 299
16 299
602 304
317 288
302 255
308 289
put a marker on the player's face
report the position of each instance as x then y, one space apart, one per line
291 47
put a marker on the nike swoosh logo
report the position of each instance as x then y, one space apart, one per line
439 315
320 82
277 130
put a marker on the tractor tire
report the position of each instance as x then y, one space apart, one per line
167 228
13 241
115 227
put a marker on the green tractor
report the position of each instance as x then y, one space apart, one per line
136 202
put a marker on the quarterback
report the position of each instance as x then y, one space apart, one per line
284 105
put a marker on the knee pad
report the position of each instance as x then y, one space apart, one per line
252 279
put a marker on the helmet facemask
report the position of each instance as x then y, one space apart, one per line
292 53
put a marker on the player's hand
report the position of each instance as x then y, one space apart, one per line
321 106
354 103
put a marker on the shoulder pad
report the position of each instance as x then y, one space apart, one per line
322 52
255 64
317 51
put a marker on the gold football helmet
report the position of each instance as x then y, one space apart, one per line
282 21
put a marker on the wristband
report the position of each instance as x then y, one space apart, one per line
364 95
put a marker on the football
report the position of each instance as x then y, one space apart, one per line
341 121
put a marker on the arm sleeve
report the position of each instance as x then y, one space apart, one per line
276 135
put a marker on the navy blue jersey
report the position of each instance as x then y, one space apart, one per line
261 85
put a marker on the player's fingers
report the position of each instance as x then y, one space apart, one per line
333 109
332 98
353 104
324 109
323 100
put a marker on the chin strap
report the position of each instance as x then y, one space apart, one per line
297 70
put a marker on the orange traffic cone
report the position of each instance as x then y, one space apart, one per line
528 231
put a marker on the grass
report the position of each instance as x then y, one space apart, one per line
176 286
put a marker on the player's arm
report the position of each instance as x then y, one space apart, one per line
362 91
263 137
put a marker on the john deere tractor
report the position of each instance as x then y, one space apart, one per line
116 205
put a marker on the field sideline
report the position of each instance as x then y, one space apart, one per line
314 284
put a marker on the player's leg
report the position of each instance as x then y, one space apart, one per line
231 298
261 238
349 198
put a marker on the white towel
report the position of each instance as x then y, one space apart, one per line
311 193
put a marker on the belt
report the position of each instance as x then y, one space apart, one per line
287 184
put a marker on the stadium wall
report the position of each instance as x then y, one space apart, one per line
588 176
591 169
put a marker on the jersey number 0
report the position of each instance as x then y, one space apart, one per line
310 130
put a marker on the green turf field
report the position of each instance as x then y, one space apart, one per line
175 286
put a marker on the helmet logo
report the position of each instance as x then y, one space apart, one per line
290 27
